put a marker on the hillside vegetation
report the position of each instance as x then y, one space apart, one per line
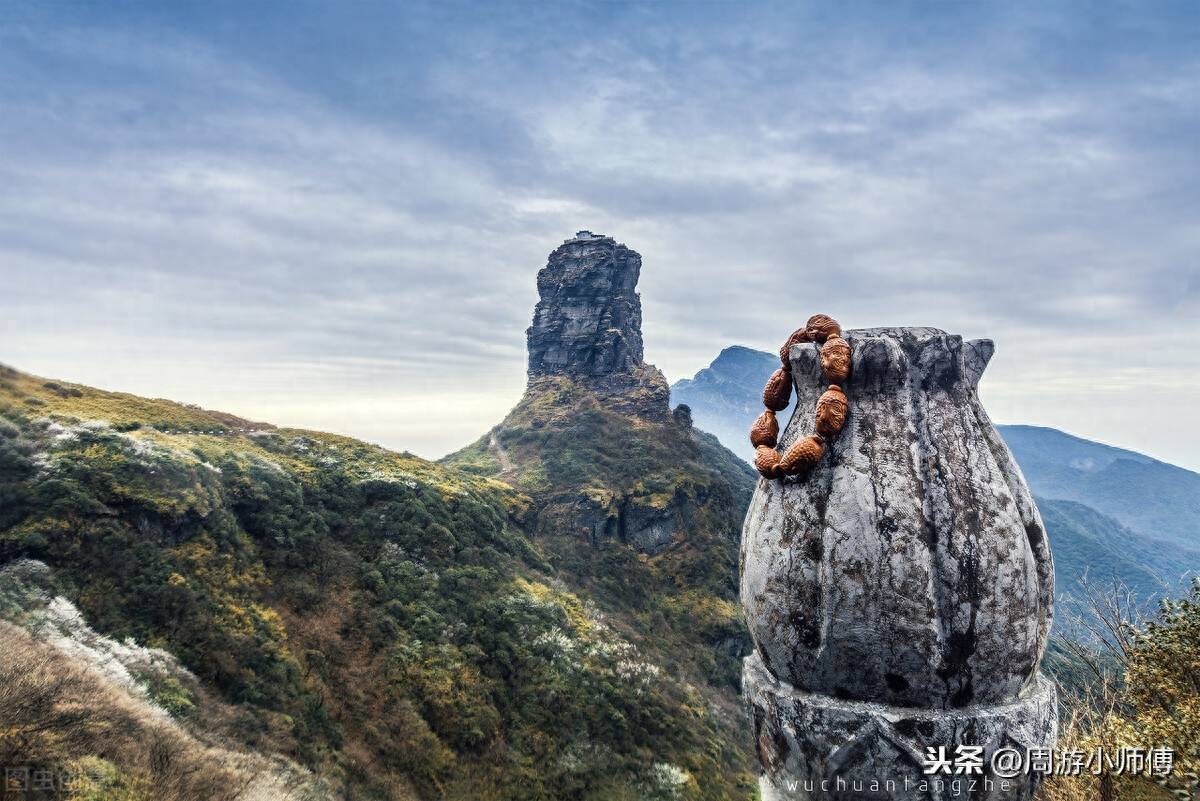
643 516
390 623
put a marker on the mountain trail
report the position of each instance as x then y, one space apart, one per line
506 464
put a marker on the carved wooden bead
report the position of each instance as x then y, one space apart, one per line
798 336
777 394
831 411
821 326
765 430
766 461
802 456
835 359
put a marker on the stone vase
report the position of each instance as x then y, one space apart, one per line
901 594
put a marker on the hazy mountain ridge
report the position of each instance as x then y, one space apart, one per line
1155 499
726 393
1115 511
1087 541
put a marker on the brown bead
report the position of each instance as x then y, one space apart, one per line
798 336
802 456
765 430
766 461
821 326
835 359
831 411
777 394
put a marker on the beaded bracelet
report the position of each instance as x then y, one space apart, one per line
831 406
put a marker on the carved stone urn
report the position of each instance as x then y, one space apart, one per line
900 594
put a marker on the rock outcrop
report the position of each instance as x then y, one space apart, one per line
631 506
594 439
587 325
900 595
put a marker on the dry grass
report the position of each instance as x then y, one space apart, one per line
57 715
1104 622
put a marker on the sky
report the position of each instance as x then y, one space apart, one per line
331 215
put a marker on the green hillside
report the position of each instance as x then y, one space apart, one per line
398 626
599 479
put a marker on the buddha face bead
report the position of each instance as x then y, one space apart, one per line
835 360
798 336
766 461
777 394
831 411
802 456
821 326
765 430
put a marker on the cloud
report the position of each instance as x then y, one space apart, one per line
340 221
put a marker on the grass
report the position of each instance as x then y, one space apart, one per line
59 717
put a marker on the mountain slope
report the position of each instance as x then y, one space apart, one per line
1115 511
1153 498
632 506
1086 541
121 714
384 621
642 516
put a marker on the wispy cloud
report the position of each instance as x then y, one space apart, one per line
334 218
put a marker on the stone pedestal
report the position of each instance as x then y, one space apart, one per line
814 747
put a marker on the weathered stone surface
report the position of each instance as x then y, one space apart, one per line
807 742
682 415
587 325
908 570
911 567
648 529
605 517
588 321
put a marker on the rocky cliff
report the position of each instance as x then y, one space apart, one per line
638 507
593 439
587 325
588 321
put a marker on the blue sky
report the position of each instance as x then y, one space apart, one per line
332 214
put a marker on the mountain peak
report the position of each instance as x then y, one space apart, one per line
587 325
588 320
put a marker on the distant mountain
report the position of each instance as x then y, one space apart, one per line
1107 510
1085 540
726 396
1153 498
